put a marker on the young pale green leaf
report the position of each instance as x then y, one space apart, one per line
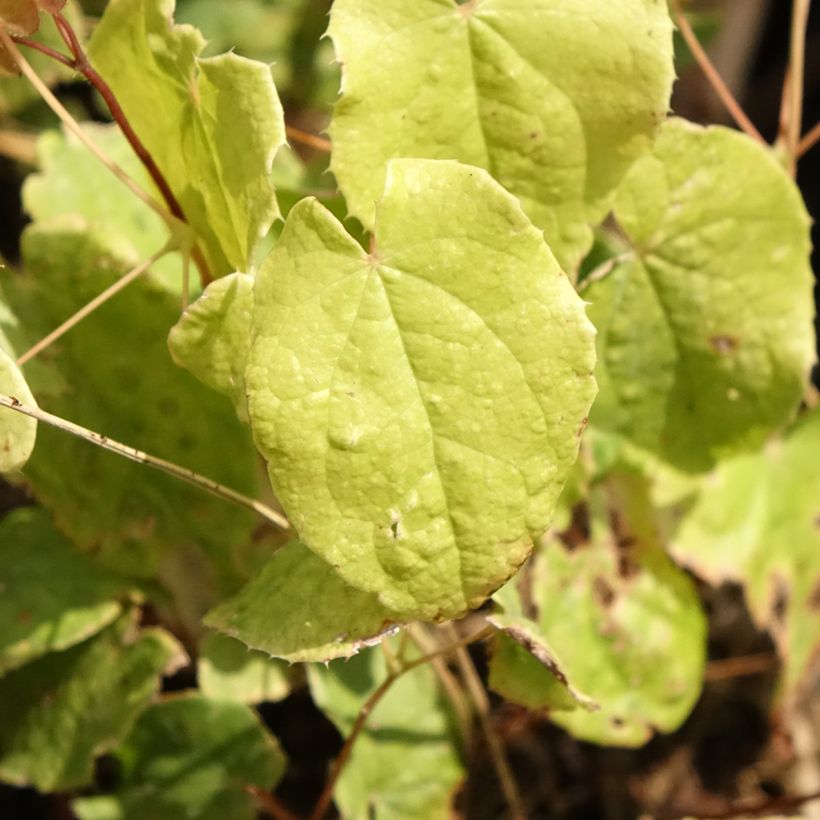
212 338
757 521
190 757
420 406
228 670
52 597
404 765
70 182
212 125
317 616
556 98
705 333
59 712
18 433
112 373
625 623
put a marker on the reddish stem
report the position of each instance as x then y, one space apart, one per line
44 49
81 63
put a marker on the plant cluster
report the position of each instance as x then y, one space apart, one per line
543 357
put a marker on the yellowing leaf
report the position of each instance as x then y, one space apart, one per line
556 98
220 122
419 406
18 433
706 330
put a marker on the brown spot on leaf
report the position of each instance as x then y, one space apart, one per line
23 616
814 598
577 534
603 592
584 423
724 344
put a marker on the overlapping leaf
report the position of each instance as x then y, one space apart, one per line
18 433
227 670
404 765
419 406
112 373
317 616
705 331
502 84
190 757
212 125
72 181
624 624
59 712
757 521
51 597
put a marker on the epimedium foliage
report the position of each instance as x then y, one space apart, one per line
415 357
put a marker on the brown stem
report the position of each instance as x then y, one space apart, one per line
269 804
712 75
311 140
82 64
809 140
794 88
496 749
323 804
168 467
727 668
762 808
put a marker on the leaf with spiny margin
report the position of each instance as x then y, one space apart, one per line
420 407
317 616
18 433
190 757
756 521
705 335
624 621
59 712
404 765
228 670
556 98
212 125
51 596
112 373
519 641
71 181
212 337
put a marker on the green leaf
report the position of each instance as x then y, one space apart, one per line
112 374
72 181
404 764
212 125
61 711
757 521
420 406
317 616
541 685
212 338
18 433
624 624
227 670
705 333
52 597
190 757
556 98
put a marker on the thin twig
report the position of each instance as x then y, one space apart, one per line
82 64
727 668
72 125
311 140
809 140
91 306
323 804
767 807
269 804
794 88
712 75
449 682
496 749
182 473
